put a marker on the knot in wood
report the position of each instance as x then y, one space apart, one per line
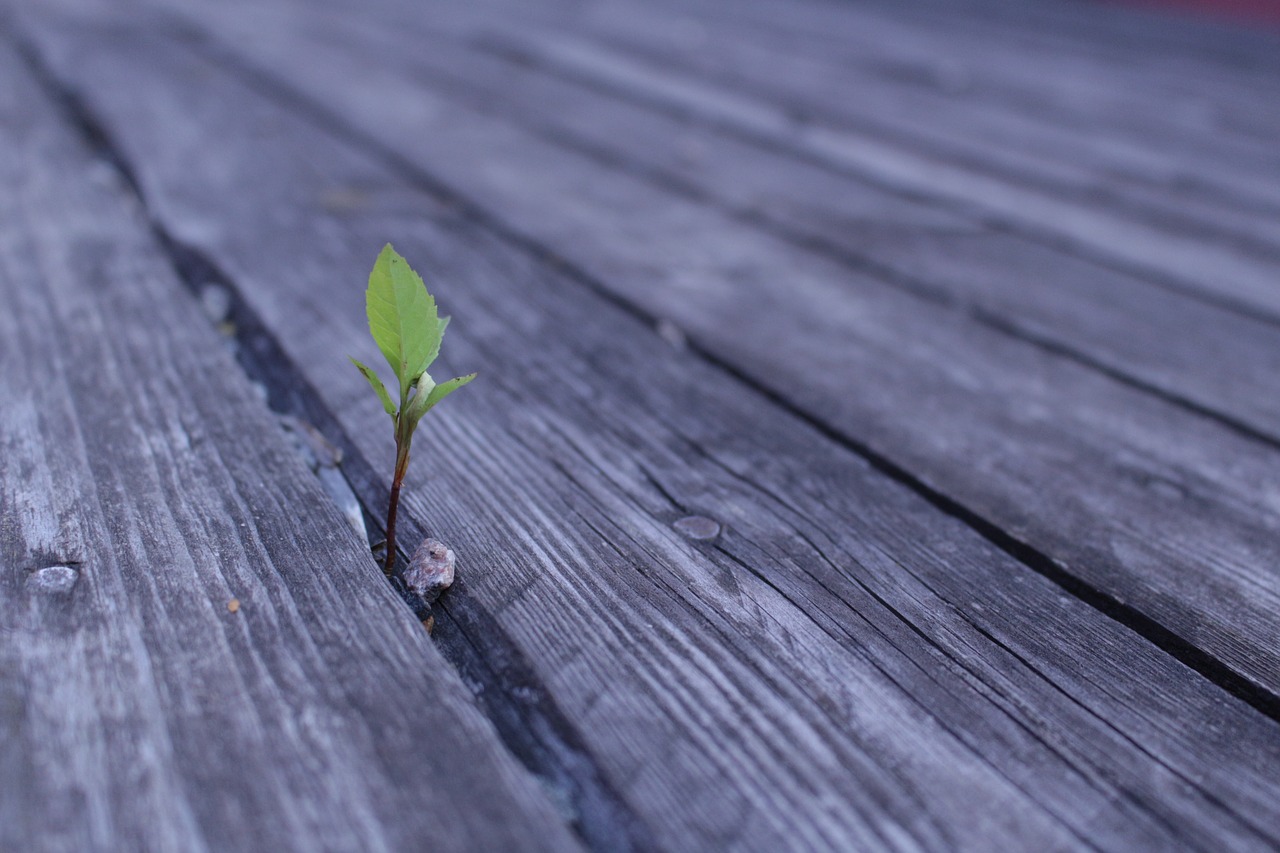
53 580
430 570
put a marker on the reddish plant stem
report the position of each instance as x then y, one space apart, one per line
402 465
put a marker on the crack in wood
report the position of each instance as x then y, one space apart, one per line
1185 651
526 719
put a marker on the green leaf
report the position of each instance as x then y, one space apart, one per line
402 317
423 403
442 324
377 386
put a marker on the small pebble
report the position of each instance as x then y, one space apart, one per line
698 527
53 580
430 570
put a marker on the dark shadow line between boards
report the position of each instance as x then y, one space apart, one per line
599 817
1209 667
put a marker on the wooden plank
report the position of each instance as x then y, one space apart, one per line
1171 43
1156 513
1160 241
1192 171
1124 325
888 82
760 102
1070 157
840 664
143 488
1069 84
1164 46
1137 126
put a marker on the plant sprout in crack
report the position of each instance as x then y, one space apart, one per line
407 328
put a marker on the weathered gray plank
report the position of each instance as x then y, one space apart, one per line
1185 255
143 487
1157 233
841 665
1161 511
1107 80
1166 43
1074 193
1166 50
876 79
1216 188
1127 326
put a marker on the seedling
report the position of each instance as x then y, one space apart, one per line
406 327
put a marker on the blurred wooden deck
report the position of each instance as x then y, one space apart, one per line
876 443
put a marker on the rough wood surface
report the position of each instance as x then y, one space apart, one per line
1123 324
961 97
1194 256
1153 510
143 489
829 661
779 94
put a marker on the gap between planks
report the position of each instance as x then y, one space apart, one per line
1208 664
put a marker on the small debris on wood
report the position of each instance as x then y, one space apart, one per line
234 605
430 570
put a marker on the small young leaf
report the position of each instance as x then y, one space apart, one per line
408 330
424 385
444 389
377 386
424 403
402 317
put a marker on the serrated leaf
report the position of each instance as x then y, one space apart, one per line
376 384
402 317
442 323
424 403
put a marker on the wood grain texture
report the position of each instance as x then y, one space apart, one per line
1174 127
1167 217
840 665
1158 509
863 77
1123 324
809 111
1097 65
143 488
